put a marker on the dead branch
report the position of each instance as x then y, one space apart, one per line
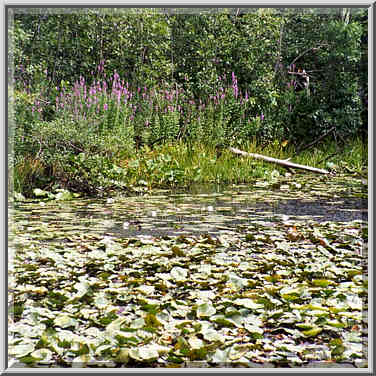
306 51
281 162
315 142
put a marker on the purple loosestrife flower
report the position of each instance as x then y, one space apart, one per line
262 117
105 107
235 85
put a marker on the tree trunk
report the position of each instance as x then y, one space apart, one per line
281 162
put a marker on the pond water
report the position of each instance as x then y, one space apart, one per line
205 209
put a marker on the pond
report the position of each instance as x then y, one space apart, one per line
204 209
202 256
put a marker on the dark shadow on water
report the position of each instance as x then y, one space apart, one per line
244 214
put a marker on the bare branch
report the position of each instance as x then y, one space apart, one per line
306 51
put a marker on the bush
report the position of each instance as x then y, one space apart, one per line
71 155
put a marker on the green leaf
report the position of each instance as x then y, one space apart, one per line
322 282
144 353
221 356
115 325
21 350
179 274
312 332
65 321
248 303
205 310
43 356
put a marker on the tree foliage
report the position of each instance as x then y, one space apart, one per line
201 52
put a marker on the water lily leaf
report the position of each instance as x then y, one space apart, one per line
146 289
338 350
43 356
305 325
248 303
195 342
101 302
236 282
223 321
123 356
221 356
250 237
65 321
212 335
312 332
205 310
177 251
115 325
236 319
354 302
21 350
253 329
82 288
143 353
353 350
138 323
336 323
179 274
83 358
322 282
291 293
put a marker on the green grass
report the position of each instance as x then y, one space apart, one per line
179 165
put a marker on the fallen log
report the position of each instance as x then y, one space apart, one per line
281 162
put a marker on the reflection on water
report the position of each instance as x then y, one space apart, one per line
202 209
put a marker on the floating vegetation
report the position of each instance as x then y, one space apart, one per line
248 276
